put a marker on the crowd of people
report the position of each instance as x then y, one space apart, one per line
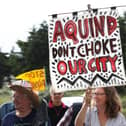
100 107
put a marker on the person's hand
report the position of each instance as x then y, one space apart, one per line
88 96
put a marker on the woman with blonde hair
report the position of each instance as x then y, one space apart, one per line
106 110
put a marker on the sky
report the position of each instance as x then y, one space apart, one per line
17 17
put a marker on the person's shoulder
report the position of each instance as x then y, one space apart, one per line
120 116
64 106
76 106
119 120
6 108
9 116
41 112
43 105
8 119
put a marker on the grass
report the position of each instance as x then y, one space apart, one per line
5 95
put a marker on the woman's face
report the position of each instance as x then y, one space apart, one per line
99 97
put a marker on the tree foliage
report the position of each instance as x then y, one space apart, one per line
34 51
4 67
122 22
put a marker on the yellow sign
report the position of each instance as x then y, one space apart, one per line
35 77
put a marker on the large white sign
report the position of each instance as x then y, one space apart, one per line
85 50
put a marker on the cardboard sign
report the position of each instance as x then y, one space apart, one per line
85 50
37 78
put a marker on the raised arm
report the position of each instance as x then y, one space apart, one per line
80 119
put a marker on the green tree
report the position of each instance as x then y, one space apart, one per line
122 22
17 63
37 52
34 52
4 67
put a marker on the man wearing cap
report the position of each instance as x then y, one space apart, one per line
26 103
56 108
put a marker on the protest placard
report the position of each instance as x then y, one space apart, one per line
36 77
85 50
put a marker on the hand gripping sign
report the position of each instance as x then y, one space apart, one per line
85 50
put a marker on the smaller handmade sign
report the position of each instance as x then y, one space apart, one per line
37 78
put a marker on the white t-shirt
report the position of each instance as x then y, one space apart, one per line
118 121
